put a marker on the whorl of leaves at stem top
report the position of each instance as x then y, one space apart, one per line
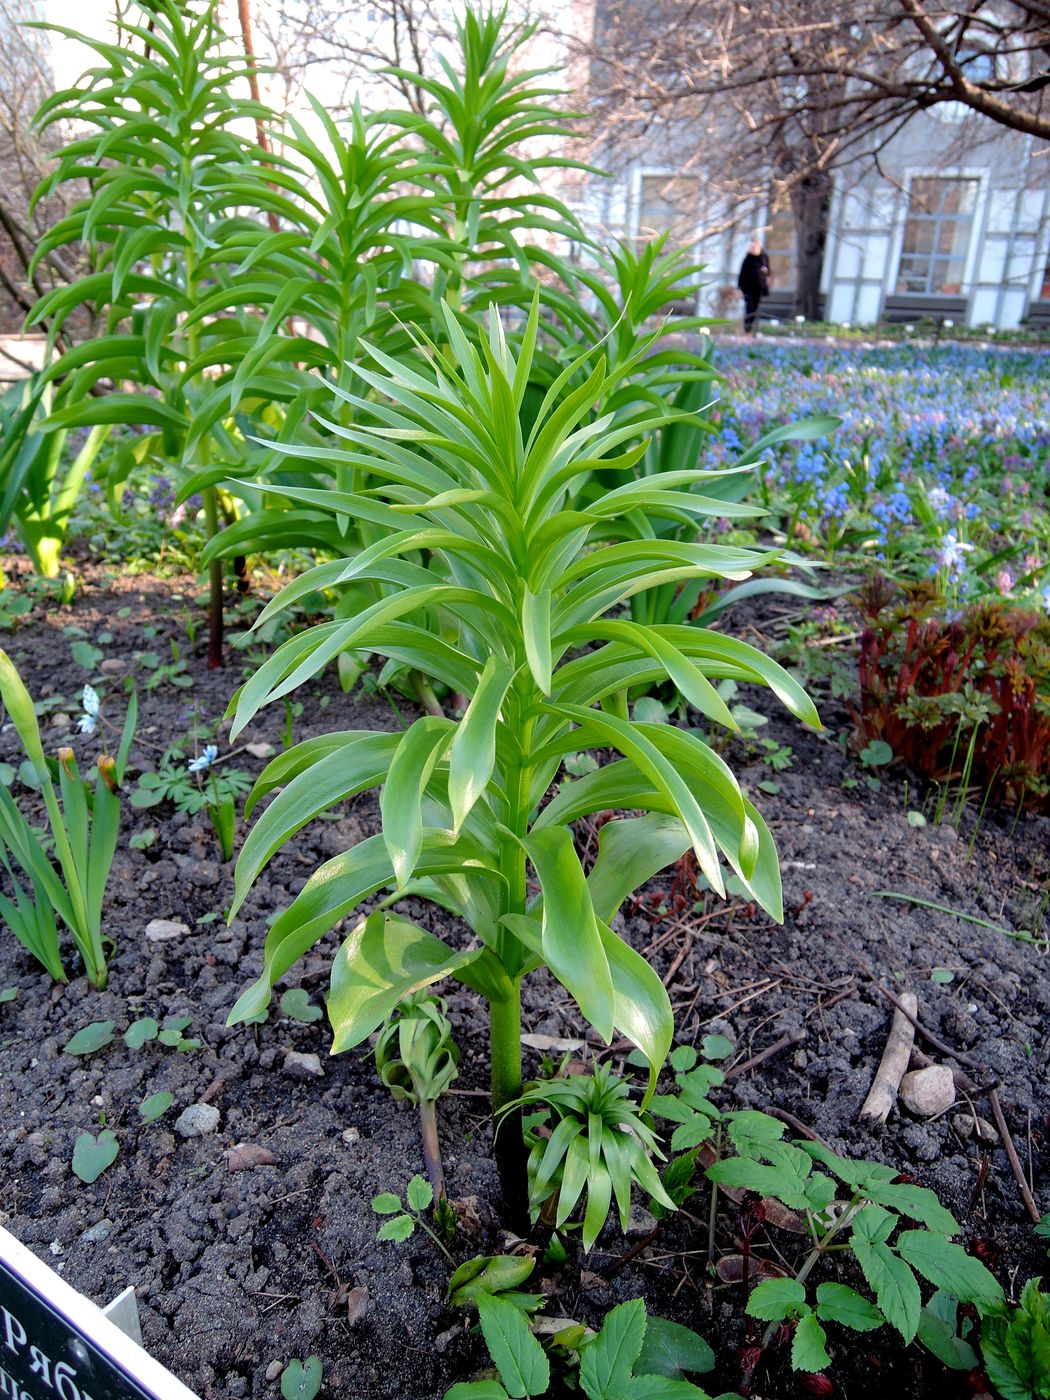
415 1053
600 1143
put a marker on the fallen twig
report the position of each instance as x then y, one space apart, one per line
793 1037
883 1093
1011 1155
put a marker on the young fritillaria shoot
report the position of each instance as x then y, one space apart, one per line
516 608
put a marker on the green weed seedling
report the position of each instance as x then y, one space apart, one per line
405 1217
94 1155
843 1207
301 1380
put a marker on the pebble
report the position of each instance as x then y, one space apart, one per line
197 1121
965 1124
160 930
302 1066
350 1135
928 1092
274 1370
112 665
98 1232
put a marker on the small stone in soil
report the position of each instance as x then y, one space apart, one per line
197 1121
160 930
927 1092
965 1124
274 1370
350 1135
95 1234
302 1066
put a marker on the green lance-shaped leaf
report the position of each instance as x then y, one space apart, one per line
473 754
536 629
641 1007
571 942
347 770
384 960
401 801
630 852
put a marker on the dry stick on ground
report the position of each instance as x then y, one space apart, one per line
883 1093
793 1037
992 1093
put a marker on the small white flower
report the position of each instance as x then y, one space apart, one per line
800 320
88 721
952 554
207 758
939 499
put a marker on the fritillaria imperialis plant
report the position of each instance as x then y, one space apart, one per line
517 610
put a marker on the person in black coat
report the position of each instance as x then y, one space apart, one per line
753 281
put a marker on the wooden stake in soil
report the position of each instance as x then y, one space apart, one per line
883 1093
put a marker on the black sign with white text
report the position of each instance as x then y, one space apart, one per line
56 1345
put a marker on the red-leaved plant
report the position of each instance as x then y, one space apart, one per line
929 676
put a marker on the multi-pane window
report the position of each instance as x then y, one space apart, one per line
669 204
937 235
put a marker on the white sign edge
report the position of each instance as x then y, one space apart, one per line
90 1319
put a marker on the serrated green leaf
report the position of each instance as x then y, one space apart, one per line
518 1356
949 1267
420 1194
889 1277
607 1363
776 1298
838 1303
808 1350
386 1203
397 1229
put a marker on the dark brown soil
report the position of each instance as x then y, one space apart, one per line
238 1271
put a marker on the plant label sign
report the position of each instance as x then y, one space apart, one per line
56 1345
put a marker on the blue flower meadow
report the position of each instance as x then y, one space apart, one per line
941 466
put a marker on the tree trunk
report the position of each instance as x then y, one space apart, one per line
811 207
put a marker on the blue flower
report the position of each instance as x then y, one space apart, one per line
206 759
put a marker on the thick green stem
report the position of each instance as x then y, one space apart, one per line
505 1049
211 519
431 1146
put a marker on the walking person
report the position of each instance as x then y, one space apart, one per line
753 281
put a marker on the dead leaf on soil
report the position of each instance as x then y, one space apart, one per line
552 1042
730 1269
356 1304
246 1155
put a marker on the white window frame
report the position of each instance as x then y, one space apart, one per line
921 172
